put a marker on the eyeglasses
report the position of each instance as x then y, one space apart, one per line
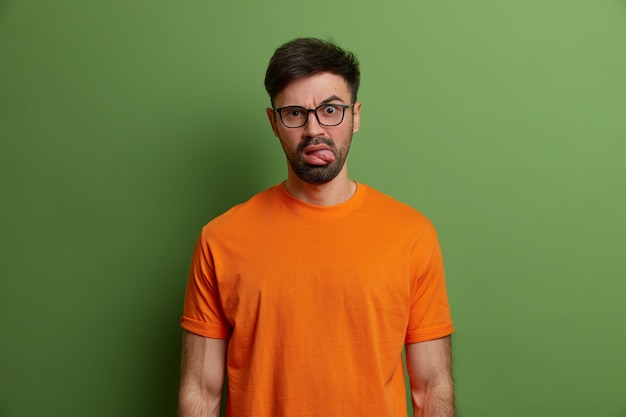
326 115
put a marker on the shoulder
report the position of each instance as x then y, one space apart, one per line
395 210
238 216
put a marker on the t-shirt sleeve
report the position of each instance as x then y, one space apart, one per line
430 316
202 311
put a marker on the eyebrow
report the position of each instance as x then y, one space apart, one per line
325 101
329 99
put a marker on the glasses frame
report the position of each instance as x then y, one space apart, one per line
344 107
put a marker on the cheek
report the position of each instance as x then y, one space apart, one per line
288 143
288 138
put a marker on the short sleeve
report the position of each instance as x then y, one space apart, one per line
429 316
202 311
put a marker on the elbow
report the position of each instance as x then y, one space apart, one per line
199 399
435 393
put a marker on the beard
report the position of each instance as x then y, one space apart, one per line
318 174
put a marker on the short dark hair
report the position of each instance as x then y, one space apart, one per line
303 57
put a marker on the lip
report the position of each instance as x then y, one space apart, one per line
314 148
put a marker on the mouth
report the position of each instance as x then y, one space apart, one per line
320 154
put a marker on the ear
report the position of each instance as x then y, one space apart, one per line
356 118
271 115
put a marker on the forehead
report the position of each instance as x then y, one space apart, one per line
310 91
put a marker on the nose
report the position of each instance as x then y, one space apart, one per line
312 128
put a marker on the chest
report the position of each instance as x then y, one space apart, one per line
316 274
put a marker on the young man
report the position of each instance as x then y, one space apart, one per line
308 292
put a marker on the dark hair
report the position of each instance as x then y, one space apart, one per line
304 57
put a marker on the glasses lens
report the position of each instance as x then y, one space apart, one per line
293 116
330 114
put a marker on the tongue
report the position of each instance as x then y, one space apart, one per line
321 157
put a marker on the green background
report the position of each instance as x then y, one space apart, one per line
127 125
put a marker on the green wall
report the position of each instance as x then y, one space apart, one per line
125 126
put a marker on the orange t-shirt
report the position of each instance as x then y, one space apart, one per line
317 302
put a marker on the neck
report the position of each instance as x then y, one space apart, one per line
336 191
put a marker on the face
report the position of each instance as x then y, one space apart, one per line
316 154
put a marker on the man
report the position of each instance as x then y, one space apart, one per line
308 292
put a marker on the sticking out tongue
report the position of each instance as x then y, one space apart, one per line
319 157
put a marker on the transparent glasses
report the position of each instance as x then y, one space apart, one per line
326 115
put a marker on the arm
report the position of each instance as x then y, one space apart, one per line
202 376
432 389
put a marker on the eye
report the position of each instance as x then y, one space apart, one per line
293 112
331 109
